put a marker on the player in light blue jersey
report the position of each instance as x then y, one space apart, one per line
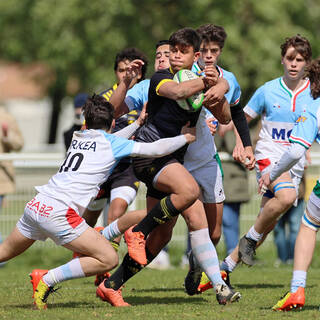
280 102
304 133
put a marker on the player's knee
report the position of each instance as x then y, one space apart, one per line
192 191
110 260
288 200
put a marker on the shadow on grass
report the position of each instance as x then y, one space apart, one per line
159 290
73 305
145 300
258 285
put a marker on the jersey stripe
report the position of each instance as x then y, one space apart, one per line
304 143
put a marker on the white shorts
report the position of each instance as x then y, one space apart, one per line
264 166
46 217
313 207
209 179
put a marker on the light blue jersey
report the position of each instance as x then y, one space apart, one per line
203 149
137 96
307 127
280 108
234 93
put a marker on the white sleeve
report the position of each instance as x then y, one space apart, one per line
159 148
127 131
288 160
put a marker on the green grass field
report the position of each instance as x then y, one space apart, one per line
154 294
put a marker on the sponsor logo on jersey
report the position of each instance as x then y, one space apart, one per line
280 134
301 118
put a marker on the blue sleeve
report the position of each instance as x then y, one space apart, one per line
306 129
234 93
121 147
257 101
138 95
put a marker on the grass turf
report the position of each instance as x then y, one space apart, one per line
153 294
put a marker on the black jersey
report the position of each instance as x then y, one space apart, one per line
165 117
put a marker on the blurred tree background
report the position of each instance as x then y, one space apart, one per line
78 39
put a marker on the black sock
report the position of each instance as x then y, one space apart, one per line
125 271
159 214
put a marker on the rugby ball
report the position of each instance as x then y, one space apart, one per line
194 102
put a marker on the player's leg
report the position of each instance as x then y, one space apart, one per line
280 240
205 254
157 239
172 179
15 244
303 253
284 196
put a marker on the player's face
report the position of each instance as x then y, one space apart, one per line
162 58
210 53
121 72
293 64
182 57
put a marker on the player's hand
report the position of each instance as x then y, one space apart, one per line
4 128
133 69
211 76
189 133
238 151
212 126
216 93
143 115
249 159
264 182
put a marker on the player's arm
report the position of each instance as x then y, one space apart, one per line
128 131
163 147
117 98
176 91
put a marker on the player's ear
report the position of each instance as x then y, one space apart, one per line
196 56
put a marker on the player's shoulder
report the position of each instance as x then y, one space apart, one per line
226 74
108 92
163 73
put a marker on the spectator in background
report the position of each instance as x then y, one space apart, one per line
79 100
10 140
235 186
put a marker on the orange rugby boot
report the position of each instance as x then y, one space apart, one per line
136 246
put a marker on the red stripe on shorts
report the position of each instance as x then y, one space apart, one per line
263 163
73 218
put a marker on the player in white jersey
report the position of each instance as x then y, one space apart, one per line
280 102
56 210
305 132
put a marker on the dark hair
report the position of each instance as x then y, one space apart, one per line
212 33
185 37
132 54
161 43
98 112
301 45
313 73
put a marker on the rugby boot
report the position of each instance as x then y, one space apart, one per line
291 301
247 250
114 297
35 277
136 246
193 278
206 284
226 295
41 295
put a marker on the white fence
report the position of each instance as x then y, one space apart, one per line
36 169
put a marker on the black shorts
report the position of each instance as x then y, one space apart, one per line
146 169
122 176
